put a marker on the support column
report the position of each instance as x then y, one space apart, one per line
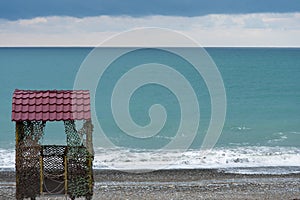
41 174
88 126
19 136
66 174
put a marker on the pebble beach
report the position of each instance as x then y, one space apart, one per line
179 184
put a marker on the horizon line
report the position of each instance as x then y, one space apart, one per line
91 46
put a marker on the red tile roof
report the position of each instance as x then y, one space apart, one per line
51 105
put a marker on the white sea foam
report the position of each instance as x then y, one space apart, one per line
218 158
236 159
279 137
240 128
7 159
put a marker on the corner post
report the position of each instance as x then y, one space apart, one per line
89 138
19 134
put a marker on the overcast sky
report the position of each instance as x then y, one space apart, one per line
210 22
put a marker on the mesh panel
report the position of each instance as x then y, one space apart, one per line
28 158
27 169
80 178
73 138
32 133
79 173
30 155
53 158
54 169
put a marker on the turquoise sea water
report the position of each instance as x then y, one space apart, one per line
263 103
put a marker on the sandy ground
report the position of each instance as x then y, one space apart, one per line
180 184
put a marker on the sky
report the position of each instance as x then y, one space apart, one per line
209 22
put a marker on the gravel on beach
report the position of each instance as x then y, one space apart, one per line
179 184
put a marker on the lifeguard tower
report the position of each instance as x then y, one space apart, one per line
53 169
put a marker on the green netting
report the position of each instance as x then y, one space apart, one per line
80 180
53 169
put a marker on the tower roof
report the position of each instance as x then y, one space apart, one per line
50 105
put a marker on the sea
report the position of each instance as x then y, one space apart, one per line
261 132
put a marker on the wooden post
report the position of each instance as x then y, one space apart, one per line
89 145
90 167
19 126
66 175
41 174
89 138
